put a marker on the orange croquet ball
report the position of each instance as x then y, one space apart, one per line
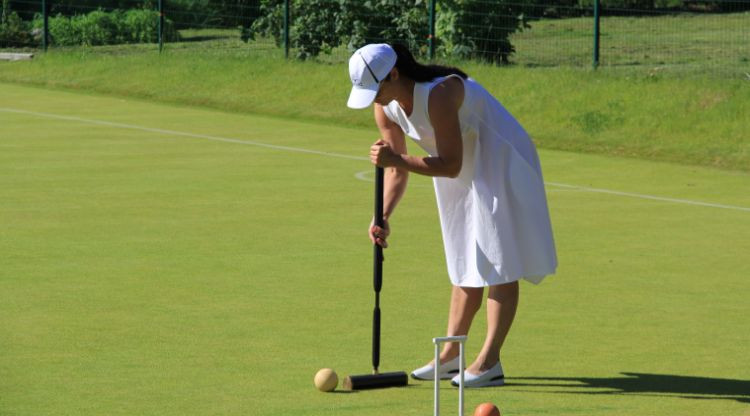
487 409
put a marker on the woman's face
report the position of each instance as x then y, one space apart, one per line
384 94
387 89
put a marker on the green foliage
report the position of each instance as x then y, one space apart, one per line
314 28
14 32
211 13
465 28
193 13
108 28
270 23
235 12
379 21
316 25
480 29
142 26
96 28
390 21
61 31
185 13
621 4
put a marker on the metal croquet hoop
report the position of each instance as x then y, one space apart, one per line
461 341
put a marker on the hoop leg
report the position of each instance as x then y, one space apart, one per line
461 339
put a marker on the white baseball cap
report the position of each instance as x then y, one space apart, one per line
367 68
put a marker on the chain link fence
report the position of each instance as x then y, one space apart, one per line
692 37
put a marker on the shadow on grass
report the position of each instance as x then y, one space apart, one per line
203 38
645 384
411 385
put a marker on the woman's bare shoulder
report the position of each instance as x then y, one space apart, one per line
448 94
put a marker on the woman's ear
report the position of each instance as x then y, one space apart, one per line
393 74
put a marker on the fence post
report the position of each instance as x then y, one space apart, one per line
45 28
431 37
286 29
596 34
161 25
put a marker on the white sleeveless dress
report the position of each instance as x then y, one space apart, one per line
494 215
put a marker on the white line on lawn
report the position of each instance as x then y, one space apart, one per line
643 196
180 133
359 175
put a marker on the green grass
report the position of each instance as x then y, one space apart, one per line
693 120
147 272
710 44
673 88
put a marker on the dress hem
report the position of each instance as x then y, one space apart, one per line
532 279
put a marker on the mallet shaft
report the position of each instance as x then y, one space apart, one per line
377 269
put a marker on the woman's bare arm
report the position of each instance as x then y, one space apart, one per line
444 102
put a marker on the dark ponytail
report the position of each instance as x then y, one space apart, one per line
408 66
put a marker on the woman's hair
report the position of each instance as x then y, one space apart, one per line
408 66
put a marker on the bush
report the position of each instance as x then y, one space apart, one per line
61 31
406 22
314 28
475 29
96 28
14 32
316 25
320 25
464 28
192 13
108 28
212 13
481 29
142 26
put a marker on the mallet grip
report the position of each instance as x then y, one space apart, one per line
376 340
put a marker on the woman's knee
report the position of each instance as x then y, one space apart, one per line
472 297
504 291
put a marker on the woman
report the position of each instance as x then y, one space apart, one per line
488 183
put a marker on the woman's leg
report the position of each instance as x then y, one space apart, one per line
502 301
465 302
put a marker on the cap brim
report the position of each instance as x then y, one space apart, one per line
362 97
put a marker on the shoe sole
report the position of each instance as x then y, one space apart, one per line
493 382
447 376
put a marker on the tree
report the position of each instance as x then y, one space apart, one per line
481 29
465 28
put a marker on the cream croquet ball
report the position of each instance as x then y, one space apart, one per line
326 380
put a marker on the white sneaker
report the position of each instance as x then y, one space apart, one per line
447 371
492 377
